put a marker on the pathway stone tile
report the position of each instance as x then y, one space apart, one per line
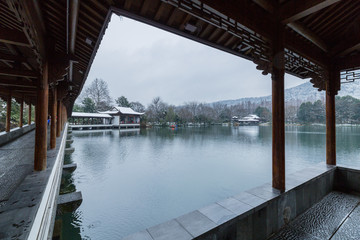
351 227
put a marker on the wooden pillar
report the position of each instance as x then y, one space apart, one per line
29 117
53 120
8 113
58 119
278 114
334 78
41 121
21 113
62 117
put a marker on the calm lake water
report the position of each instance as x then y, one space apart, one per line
134 180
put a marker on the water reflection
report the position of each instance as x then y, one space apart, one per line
146 177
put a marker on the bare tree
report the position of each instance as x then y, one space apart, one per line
98 91
137 106
156 111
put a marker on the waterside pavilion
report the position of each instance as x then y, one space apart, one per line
124 117
47 48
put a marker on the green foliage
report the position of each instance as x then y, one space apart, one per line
263 113
347 109
88 105
312 112
77 108
122 102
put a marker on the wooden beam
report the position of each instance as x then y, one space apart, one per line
21 113
349 42
305 49
266 4
334 77
12 58
34 13
18 73
8 113
74 14
296 9
13 37
348 62
278 112
53 119
247 14
17 83
41 121
308 34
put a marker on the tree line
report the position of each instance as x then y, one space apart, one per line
347 110
96 98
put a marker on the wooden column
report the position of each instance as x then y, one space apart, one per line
334 78
29 117
278 114
58 119
53 120
8 113
62 117
41 121
21 113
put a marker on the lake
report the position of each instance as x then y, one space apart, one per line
134 180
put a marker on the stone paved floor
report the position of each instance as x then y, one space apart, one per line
16 162
335 217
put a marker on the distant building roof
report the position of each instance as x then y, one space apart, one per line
122 110
92 115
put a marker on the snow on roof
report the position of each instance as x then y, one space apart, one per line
127 110
110 112
92 115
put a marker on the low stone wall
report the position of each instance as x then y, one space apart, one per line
254 214
347 179
14 133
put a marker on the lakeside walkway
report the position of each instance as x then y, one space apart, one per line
22 189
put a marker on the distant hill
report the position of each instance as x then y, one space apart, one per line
301 93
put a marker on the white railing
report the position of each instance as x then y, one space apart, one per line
43 219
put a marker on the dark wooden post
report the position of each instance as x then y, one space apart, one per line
53 120
21 113
41 121
334 78
58 119
62 117
278 115
29 117
8 113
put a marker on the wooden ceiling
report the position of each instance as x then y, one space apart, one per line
318 35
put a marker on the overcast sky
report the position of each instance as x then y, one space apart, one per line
142 62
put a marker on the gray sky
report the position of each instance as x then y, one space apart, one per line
142 62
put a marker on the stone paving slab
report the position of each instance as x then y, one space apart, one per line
324 219
196 223
351 227
11 179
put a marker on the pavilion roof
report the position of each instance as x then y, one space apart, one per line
318 35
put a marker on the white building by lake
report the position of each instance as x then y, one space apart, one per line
118 117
